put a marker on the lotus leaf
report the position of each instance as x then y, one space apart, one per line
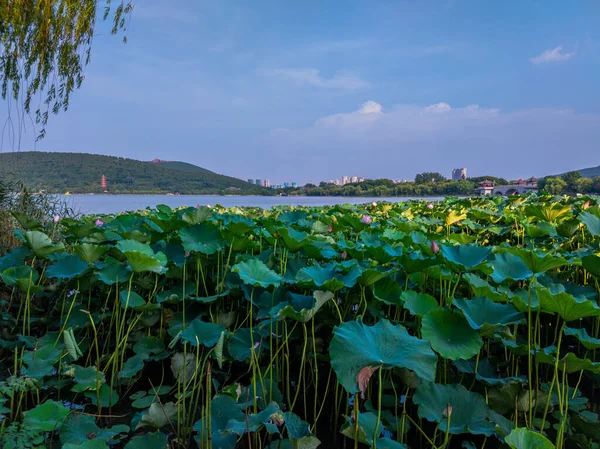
467 256
470 413
418 303
527 439
450 334
356 346
202 332
257 274
203 238
45 417
484 314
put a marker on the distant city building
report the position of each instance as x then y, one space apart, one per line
266 183
337 182
459 174
345 180
286 184
294 184
250 180
258 182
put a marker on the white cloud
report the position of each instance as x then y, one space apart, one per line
554 55
399 141
313 77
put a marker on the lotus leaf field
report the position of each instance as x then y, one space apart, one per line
468 323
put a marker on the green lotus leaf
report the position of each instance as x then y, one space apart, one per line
388 291
487 373
470 413
450 334
368 427
113 272
292 239
107 396
77 428
21 275
554 299
467 256
240 343
132 367
483 288
223 408
158 415
296 428
591 222
356 346
592 264
149 345
370 276
197 215
28 223
68 266
538 261
87 444
584 338
253 422
386 443
41 245
255 273
177 293
130 299
144 402
418 303
204 238
310 442
202 332
510 266
527 439
45 417
570 363
152 440
483 313
326 278
141 262
87 378
300 311
89 252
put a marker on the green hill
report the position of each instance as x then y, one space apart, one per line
82 173
590 172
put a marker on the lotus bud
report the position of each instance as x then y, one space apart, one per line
586 204
256 345
329 228
447 411
187 254
344 254
430 206
56 219
374 203
99 223
366 219
434 248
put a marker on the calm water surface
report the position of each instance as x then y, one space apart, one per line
107 204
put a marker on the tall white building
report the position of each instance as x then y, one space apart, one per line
459 173
345 180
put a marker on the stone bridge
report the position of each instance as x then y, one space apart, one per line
515 189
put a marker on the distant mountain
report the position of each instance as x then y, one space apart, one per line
590 172
82 173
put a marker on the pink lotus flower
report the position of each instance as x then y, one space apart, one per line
56 219
374 203
187 254
366 219
447 412
99 222
430 206
434 248
329 228
344 254
586 204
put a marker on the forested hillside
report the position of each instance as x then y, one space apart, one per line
82 173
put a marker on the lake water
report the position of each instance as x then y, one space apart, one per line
108 204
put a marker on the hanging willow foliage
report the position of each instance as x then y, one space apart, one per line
45 46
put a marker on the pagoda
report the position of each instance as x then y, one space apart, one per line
103 184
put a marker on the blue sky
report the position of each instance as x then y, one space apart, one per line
312 90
